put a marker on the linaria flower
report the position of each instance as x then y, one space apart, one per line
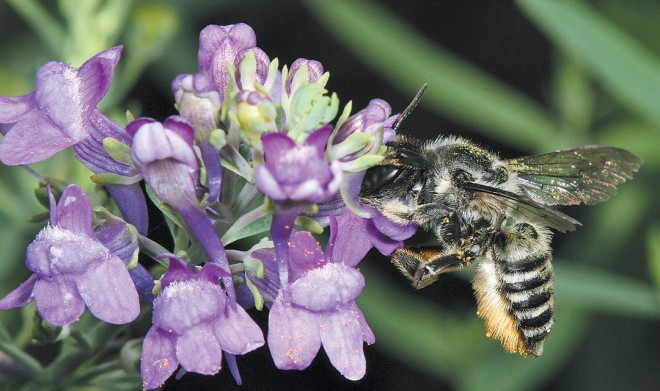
199 103
220 46
297 174
319 309
294 177
72 269
56 115
358 144
192 324
164 155
353 236
60 113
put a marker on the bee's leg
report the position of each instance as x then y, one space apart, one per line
423 266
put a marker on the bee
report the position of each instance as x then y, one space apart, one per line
494 211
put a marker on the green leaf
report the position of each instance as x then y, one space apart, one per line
492 370
419 333
596 290
251 223
624 67
653 249
456 88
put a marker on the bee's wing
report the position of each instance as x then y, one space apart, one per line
522 206
587 174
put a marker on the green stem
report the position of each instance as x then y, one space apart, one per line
152 249
21 358
41 22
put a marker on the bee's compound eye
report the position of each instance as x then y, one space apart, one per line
461 176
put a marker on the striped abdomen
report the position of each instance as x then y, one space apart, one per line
514 288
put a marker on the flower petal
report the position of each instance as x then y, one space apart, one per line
304 254
74 213
96 75
31 140
341 334
19 296
12 108
198 350
158 360
109 293
352 241
58 301
293 335
237 332
275 146
327 287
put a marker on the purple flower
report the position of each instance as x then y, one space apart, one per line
295 174
220 46
193 324
318 309
313 68
72 268
56 115
374 121
60 113
199 103
164 155
353 236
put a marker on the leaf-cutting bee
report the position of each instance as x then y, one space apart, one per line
482 208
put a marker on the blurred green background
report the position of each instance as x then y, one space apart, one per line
519 77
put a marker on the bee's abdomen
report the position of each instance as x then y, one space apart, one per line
514 289
530 298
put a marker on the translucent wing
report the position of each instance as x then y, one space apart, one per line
586 174
532 211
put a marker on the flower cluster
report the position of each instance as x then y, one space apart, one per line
252 152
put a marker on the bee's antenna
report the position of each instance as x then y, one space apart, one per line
410 107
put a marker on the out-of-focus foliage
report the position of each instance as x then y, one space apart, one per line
599 85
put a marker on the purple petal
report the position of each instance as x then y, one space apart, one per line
267 184
352 242
327 287
304 254
154 142
12 108
213 42
177 270
31 140
391 229
74 213
135 125
143 281
96 75
158 360
58 93
293 336
56 252
180 126
237 332
109 293
319 138
211 272
275 146
58 301
19 296
341 334
183 305
199 351
132 205
116 237
91 152
367 335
